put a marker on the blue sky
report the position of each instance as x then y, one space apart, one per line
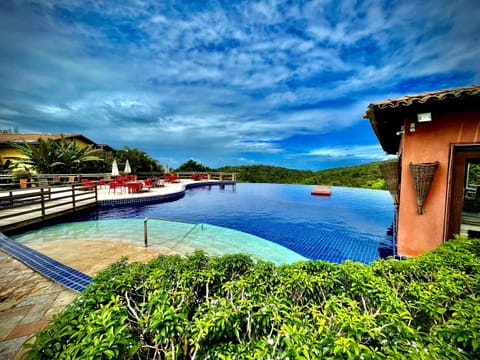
229 82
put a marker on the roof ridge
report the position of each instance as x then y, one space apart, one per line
421 98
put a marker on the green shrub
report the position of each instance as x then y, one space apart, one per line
231 307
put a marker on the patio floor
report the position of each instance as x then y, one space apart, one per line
28 300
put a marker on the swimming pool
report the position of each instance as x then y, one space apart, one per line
351 224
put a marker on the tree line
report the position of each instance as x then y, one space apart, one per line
363 176
65 156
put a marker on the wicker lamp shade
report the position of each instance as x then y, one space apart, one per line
391 173
422 176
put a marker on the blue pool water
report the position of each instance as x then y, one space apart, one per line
351 224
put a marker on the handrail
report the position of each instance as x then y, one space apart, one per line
145 227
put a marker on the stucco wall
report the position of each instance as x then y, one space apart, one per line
9 152
430 142
6 151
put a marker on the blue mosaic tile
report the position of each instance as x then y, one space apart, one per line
46 266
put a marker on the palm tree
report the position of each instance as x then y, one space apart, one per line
42 157
50 156
73 159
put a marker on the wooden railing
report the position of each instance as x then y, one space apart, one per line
9 182
220 176
23 207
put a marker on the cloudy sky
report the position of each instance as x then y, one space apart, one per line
228 82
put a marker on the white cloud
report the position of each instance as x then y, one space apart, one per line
53 110
369 152
233 77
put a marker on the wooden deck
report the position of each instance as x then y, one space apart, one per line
25 207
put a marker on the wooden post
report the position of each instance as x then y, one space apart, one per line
145 232
42 201
73 197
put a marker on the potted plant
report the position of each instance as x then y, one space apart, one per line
23 176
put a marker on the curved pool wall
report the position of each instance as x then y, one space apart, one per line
351 224
162 198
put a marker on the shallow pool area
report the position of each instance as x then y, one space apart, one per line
274 222
166 237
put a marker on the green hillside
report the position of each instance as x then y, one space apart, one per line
268 174
364 176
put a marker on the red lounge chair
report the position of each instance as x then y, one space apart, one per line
147 184
171 178
114 185
87 184
197 177
134 187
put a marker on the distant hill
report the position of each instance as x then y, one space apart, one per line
363 176
268 174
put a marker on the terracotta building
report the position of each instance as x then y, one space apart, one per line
435 182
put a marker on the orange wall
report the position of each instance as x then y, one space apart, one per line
429 143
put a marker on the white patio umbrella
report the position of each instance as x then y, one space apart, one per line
167 169
127 169
115 171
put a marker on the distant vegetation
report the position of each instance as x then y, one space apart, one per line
474 175
363 176
268 174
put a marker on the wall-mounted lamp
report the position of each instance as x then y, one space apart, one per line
424 117
412 127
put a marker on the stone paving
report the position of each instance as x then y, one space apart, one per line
27 302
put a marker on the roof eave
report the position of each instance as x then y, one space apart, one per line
386 132
387 117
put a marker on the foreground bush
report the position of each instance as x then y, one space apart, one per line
231 307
